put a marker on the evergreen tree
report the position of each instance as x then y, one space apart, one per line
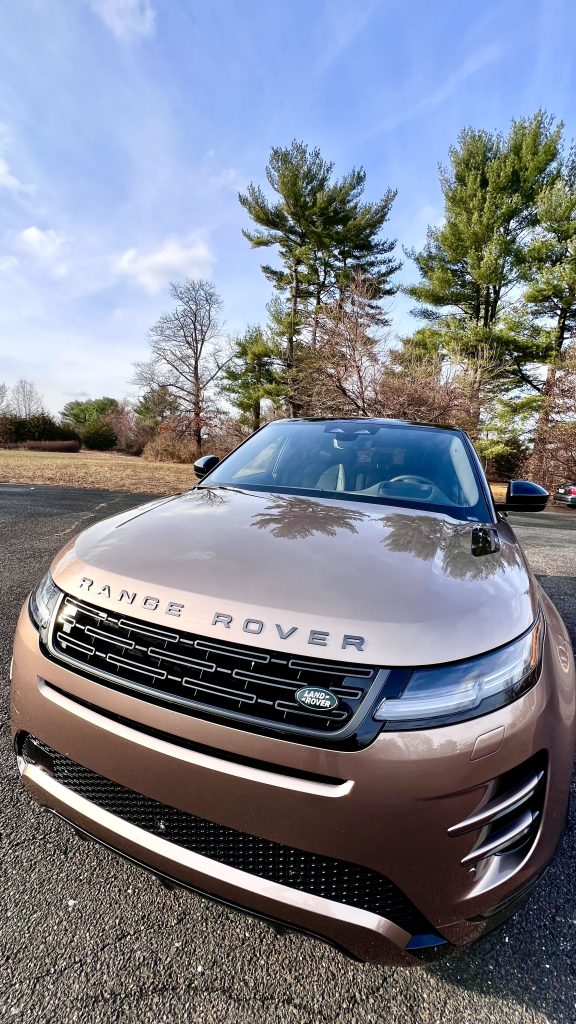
80 413
157 404
551 269
253 375
325 235
551 293
471 264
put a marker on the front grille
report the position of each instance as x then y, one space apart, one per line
200 674
328 877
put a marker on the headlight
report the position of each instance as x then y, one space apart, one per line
43 601
443 694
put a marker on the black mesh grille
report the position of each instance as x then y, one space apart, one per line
333 879
201 674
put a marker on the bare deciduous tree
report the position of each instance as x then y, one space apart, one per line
339 374
354 371
5 407
26 400
186 354
553 459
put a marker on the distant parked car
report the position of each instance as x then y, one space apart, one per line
566 493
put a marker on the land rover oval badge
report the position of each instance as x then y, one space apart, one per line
316 698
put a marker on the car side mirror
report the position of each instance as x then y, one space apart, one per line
205 465
523 496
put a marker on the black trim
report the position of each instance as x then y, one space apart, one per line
327 877
453 511
480 474
359 731
169 882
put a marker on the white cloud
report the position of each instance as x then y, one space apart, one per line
8 263
228 177
43 245
173 259
126 19
476 61
9 180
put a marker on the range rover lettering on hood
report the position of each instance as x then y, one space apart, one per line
316 637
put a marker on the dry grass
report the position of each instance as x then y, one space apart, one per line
498 491
112 472
94 469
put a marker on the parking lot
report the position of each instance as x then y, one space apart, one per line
86 937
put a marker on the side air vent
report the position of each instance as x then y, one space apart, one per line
508 823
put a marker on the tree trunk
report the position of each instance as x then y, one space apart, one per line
197 410
317 304
486 319
293 404
537 462
475 399
257 406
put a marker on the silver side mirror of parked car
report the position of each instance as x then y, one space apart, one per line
523 496
205 465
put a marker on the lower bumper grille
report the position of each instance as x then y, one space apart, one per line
328 877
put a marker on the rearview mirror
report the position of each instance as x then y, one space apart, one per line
205 465
523 496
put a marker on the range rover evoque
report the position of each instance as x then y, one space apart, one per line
322 686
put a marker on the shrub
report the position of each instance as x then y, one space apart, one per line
18 429
139 438
98 436
166 447
52 446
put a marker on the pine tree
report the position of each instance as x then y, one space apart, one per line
253 375
551 291
471 264
325 234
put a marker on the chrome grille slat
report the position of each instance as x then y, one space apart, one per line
204 666
75 644
295 710
358 670
230 651
132 665
146 630
245 684
196 684
91 631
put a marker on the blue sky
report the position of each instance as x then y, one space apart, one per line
127 128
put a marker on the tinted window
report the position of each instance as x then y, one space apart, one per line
362 461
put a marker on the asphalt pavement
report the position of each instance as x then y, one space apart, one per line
86 937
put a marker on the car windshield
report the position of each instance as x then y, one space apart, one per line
367 461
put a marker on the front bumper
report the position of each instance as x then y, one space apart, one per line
387 808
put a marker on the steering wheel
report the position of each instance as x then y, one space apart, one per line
410 478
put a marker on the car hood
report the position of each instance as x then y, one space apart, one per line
309 576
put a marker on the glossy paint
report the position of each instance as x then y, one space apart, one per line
406 581
302 574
